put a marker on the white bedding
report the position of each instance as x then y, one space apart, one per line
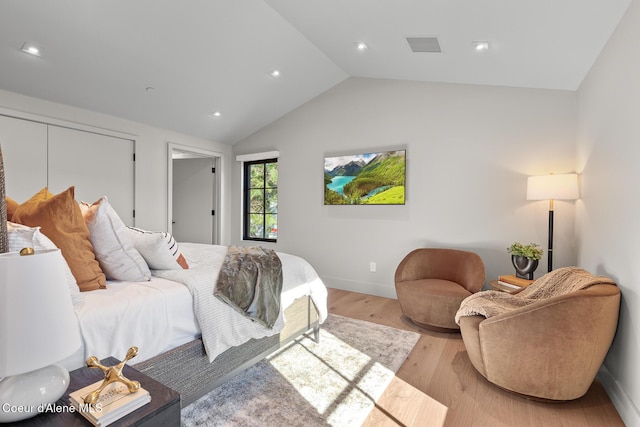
155 316
158 315
223 327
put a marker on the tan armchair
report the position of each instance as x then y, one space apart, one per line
550 349
431 283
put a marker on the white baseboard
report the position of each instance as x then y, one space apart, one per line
360 287
624 405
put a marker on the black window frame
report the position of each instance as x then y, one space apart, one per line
246 197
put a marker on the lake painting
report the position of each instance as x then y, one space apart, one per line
365 179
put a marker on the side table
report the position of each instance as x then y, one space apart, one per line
163 410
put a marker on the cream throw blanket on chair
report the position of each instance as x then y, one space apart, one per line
558 282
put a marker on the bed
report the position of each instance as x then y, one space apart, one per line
163 299
158 317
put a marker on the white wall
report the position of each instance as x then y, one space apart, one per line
608 216
151 155
469 152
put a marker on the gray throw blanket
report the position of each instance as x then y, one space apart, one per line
250 281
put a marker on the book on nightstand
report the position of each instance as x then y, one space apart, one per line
115 402
514 282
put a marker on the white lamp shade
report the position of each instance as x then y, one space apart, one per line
38 326
553 187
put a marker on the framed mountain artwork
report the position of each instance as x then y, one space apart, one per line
365 179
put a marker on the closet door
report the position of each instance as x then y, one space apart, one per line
97 165
24 150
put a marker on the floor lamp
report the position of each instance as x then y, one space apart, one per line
552 187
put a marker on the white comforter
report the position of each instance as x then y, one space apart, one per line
158 315
155 316
221 326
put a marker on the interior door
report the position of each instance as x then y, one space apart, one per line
194 200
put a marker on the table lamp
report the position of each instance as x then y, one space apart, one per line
38 327
552 187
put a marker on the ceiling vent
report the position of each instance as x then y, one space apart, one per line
424 44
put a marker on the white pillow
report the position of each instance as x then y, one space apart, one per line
112 245
21 236
159 249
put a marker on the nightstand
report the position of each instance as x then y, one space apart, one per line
163 410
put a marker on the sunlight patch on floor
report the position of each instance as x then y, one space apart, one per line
350 379
404 405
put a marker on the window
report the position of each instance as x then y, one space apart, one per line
261 200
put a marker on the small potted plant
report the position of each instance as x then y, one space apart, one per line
525 258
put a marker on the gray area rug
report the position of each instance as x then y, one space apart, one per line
333 383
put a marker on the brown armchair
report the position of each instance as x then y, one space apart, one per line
431 283
550 349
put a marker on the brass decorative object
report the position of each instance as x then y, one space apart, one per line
111 374
27 251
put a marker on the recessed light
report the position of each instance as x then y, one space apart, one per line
30 49
480 46
275 73
361 46
216 114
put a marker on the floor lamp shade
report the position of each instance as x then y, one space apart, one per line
38 328
552 187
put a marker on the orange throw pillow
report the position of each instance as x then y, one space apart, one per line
60 219
11 207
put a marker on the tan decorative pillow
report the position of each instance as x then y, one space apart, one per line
11 207
112 245
60 219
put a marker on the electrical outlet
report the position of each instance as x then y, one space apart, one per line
372 267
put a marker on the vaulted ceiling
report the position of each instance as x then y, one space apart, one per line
172 63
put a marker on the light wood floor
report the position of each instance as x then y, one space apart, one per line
438 386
